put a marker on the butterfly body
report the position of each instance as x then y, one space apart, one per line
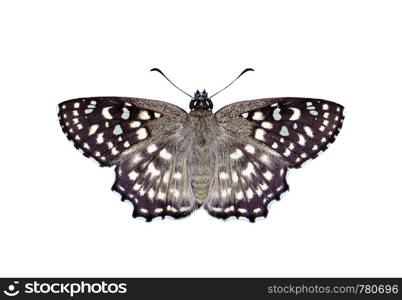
201 129
169 162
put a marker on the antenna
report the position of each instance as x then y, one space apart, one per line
159 71
244 71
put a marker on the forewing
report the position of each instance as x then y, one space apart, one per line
297 129
105 128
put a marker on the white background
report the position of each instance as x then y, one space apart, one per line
58 216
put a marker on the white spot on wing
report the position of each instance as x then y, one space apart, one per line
141 133
248 170
106 114
258 116
161 196
239 195
302 140
175 193
152 170
284 131
126 113
229 209
295 115
277 114
263 186
166 177
257 210
144 115
237 154
151 193
136 158
267 125
264 158
249 193
152 148
99 138
224 176
165 154
250 149
177 175
133 175
268 175
135 124
308 131
235 178
259 134
158 210
117 130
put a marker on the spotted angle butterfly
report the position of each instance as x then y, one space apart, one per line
169 162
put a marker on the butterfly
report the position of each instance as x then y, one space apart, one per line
170 163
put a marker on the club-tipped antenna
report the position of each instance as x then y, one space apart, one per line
244 71
159 71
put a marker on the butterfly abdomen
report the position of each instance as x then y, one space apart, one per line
200 185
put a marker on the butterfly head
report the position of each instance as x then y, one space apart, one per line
201 101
